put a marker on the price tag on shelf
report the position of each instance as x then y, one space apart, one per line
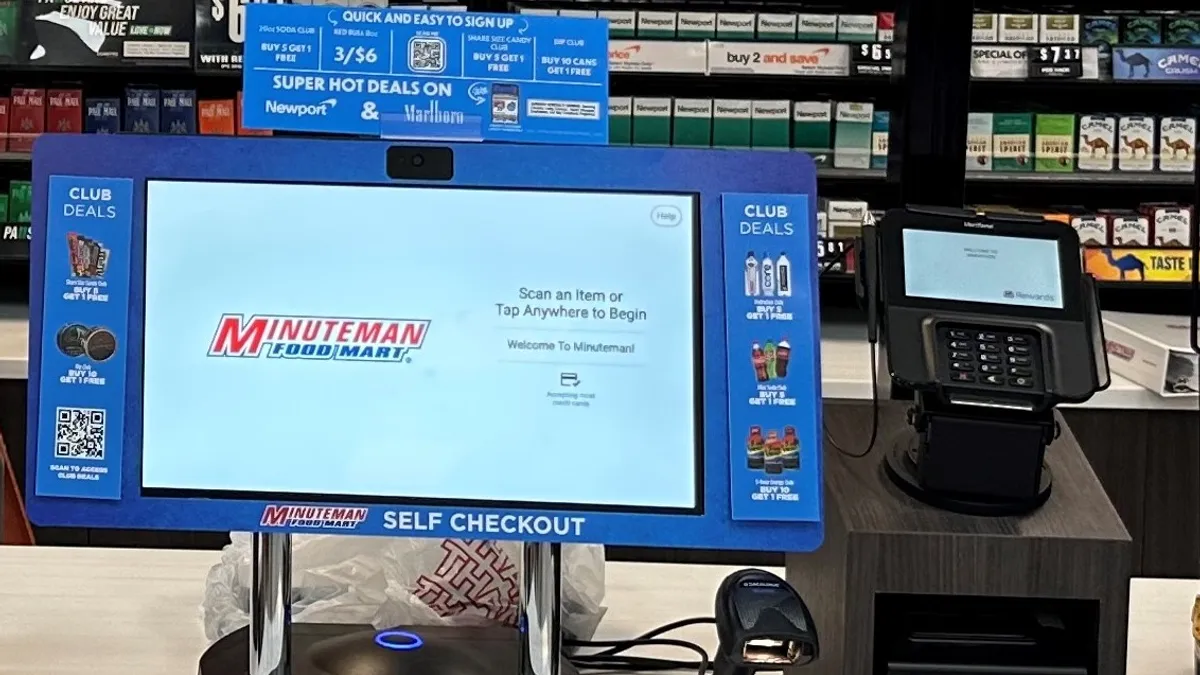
871 58
834 254
1056 62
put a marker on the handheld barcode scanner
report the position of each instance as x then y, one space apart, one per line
762 624
987 323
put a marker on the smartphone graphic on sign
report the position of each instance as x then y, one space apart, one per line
506 104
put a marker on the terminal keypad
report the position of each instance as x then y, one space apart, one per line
993 359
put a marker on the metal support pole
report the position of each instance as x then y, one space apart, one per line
271 605
541 607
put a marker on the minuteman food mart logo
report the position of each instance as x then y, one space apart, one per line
317 338
313 517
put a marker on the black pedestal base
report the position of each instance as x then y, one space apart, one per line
901 467
339 649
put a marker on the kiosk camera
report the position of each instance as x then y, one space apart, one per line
478 342
990 321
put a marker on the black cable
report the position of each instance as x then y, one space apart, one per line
610 658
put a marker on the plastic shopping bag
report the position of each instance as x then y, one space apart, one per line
387 581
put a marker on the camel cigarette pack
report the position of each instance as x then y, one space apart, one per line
1135 135
1018 29
621 23
735 26
216 117
651 121
1100 30
141 110
776 27
770 124
178 111
731 123
812 129
1141 30
979 141
1058 29
1092 228
64 111
816 27
620 120
1177 144
697 25
857 27
692 123
879 139
26 118
1055 137
1129 228
102 116
1012 142
1097 142
1181 30
3 127
852 135
1171 223
652 24
985 29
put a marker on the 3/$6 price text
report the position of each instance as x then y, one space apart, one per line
89 203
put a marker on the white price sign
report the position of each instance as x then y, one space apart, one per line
781 58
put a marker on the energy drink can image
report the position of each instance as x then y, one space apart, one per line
768 276
70 339
759 359
773 453
754 448
752 288
506 104
769 352
791 448
100 344
783 354
783 274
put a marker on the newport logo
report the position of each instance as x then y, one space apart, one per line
302 109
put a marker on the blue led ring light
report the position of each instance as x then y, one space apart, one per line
398 640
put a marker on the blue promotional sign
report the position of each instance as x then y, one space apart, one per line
403 73
1156 63
81 406
774 450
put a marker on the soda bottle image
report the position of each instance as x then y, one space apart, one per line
768 276
783 274
791 448
754 448
782 354
751 275
759 359
769 352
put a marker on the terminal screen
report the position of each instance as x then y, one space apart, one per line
422 344
986 268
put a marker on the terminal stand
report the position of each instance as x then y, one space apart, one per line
272 645
900 586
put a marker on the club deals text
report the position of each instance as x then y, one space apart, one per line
484 523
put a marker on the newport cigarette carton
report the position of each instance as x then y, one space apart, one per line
622 23
1018 29
879 139
1055 143
731 123
654 24
777 27
979 142
852 135
816 27
812 130
692 122
735 25
697 25
1059 29
985 29
620 120
857 28
1012 142
651 121
770 124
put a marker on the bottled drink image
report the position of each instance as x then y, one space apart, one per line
769 352
754 448
783 274
759 359
783 353
752 287
791 448
767 280
773 453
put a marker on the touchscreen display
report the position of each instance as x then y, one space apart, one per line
484 346
982 268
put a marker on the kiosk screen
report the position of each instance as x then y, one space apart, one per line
480 346
992 269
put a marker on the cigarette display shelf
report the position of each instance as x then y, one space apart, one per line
1131 178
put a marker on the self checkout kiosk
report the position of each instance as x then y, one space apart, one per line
451 341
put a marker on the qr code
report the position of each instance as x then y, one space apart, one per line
427 54
79 433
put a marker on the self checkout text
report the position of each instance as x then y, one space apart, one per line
484 523
577 303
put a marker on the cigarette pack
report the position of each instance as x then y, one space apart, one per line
651 121
816 27
852 135
244 131
620 120
731 123
979 142
657 24
692 123
985 29
141 110
697 25
20 201
178 111
621 22
103 116
26 118
886 23
776 27
735 25
64 112
770 123
879 139
216 117
3 128
857 28
812 129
